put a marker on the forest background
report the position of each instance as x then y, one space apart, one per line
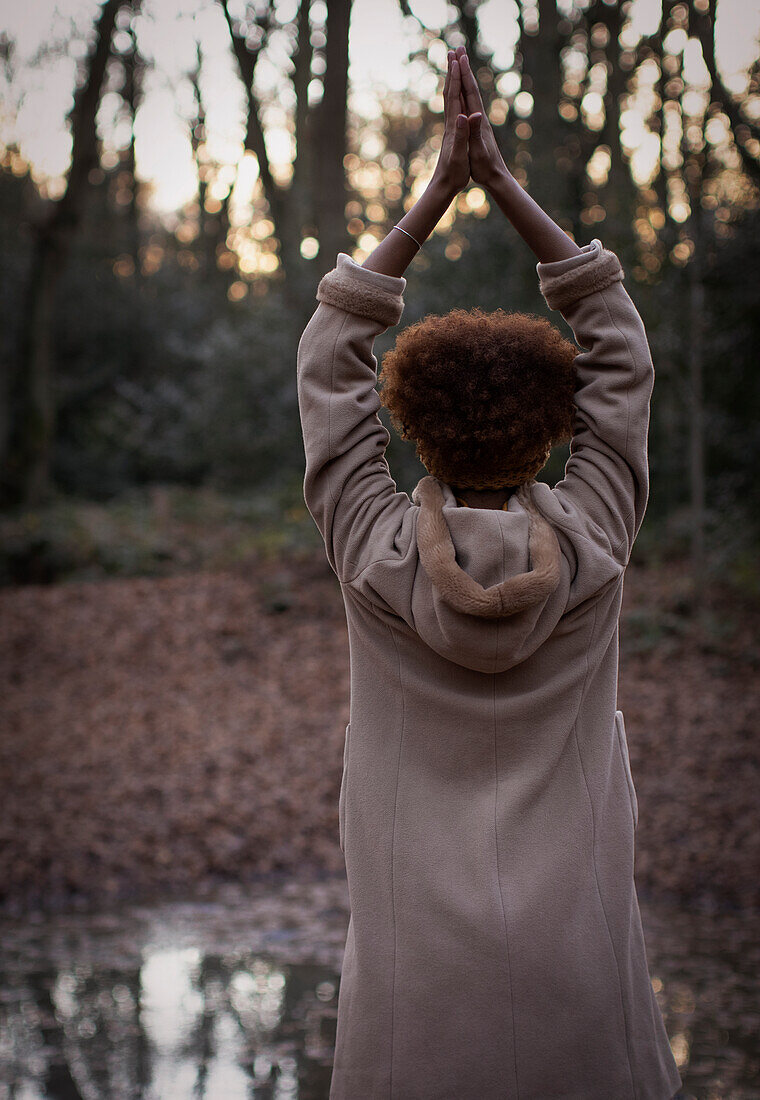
178 174
175 178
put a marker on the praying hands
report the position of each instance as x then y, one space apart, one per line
469 151
452 172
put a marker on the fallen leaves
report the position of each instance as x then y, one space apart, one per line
163 732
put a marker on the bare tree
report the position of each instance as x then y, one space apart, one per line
314 198
331 133
620 192
132 92
28 461
702 25
213 226
541 76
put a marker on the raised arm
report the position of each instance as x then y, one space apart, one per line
348 487
540 232
607 474
606 484
452 172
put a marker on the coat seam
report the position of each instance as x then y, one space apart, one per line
498 621
593 857
393 858
496 841
501 893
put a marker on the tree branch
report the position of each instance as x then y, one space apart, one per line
703 24
246 58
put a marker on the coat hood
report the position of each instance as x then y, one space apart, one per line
491 588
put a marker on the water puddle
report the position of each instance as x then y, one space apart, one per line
230 1000
236 998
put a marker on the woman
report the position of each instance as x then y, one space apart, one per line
487 810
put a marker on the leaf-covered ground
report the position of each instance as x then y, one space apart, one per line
164 734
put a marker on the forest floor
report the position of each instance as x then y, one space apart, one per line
170 734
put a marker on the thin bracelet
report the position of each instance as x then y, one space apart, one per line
408 235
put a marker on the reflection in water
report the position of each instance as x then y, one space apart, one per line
176 1021
238 998
182 1024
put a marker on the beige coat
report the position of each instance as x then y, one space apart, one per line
487 810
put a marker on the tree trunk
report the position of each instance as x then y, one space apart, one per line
542 77
281 200
28 462
331 178
620 193
132 95
702 25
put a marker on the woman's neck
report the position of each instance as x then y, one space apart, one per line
485 498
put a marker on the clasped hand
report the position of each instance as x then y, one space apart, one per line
469 149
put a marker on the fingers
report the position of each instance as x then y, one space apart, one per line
455 88
475 134
453 99
469 85
462 105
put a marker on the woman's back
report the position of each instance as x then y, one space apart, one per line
487 810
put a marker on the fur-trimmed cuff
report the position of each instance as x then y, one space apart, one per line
359 290
563 282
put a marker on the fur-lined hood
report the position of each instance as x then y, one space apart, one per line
489 590
490 584
438 556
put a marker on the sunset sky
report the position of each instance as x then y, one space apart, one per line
33 109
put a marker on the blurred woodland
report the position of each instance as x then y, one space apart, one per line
143 351
177 727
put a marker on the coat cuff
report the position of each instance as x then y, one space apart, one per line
359 290
563 282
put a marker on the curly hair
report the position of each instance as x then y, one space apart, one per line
484 396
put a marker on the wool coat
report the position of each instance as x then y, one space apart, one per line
487 811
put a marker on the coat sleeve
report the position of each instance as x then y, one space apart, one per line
605 487
348 488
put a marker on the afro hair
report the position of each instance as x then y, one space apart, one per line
484 396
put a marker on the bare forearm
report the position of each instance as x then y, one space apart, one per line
540 232
394 254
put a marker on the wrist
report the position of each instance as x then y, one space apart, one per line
499 179
443 187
